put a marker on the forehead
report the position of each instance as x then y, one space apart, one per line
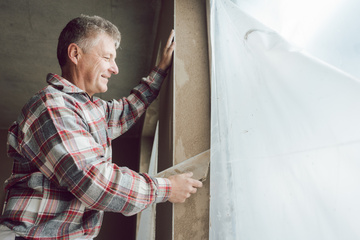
105 44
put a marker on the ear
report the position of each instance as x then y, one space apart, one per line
74 53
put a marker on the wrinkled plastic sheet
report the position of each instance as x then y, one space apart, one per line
285 137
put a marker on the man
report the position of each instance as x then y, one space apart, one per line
63 178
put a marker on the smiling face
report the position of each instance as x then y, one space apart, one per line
96 66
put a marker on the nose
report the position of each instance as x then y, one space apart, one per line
114 68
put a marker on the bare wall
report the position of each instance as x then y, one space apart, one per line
5 165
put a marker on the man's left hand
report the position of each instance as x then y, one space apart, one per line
167 53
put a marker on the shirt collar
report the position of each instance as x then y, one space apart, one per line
62 84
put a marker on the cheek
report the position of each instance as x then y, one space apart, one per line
97 65
102 67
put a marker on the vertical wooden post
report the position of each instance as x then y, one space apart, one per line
184 114
191 111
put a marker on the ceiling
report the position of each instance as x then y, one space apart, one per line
28 41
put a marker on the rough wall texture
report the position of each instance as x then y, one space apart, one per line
184 115
192 111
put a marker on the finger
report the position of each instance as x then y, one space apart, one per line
172 47
197 184
193 190
167 53
188 174
169 41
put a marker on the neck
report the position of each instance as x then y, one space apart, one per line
70 74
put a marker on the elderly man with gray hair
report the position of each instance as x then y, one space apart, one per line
63 178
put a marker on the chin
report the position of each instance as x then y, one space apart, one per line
104 89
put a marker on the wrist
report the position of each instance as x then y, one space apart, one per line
161 71
162 67
163 190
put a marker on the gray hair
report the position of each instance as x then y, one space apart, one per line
84 31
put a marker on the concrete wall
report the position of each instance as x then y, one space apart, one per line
28 52
28 41
5 165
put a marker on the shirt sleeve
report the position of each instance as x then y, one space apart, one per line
164 190
122 114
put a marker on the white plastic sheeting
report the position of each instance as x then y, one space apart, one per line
328 29
285 137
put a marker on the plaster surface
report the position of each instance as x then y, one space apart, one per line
191 111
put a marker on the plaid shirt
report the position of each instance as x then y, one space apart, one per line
63 178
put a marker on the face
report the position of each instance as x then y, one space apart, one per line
96 66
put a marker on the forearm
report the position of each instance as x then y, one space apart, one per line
124 113
107 187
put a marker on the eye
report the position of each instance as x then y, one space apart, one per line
107 58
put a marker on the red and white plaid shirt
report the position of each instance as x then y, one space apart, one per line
63 178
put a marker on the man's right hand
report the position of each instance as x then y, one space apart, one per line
182 186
